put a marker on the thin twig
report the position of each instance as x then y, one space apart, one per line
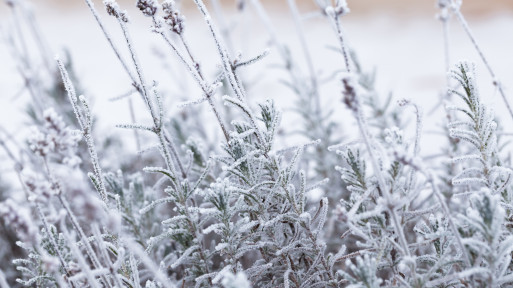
85 123
456 9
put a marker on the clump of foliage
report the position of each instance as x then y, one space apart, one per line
196 211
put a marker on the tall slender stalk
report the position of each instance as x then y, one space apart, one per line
85 123
195 72
307 55
90 4
367 138
456 10
228 66
449 217
340 34
157 119
81 260
74 221
45 225
105 255
146 260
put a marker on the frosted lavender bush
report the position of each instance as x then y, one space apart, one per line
239 210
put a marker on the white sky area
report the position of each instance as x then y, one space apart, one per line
407 53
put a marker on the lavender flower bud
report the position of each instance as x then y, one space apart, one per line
403 102
113 9
394 136
173 17
19 218
53 122
40 190
147 7
56 137
39 144
349 92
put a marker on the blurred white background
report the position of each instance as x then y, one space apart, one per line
401 39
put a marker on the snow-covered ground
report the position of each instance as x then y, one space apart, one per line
406 51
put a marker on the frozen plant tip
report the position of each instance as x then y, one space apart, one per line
173 17
113 9
147 7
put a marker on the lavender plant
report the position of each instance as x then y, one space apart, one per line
238 212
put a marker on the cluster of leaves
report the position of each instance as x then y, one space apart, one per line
242 215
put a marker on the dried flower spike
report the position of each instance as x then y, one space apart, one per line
39 143
147 7
40 189
19 218
173 17
349 93
113 9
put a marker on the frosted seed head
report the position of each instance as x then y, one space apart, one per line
148 7
54 137
158 23
19 218
111 6
341 8
350 92
394 136
173 17
39 143
113 9
39 189
53 122
403 102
